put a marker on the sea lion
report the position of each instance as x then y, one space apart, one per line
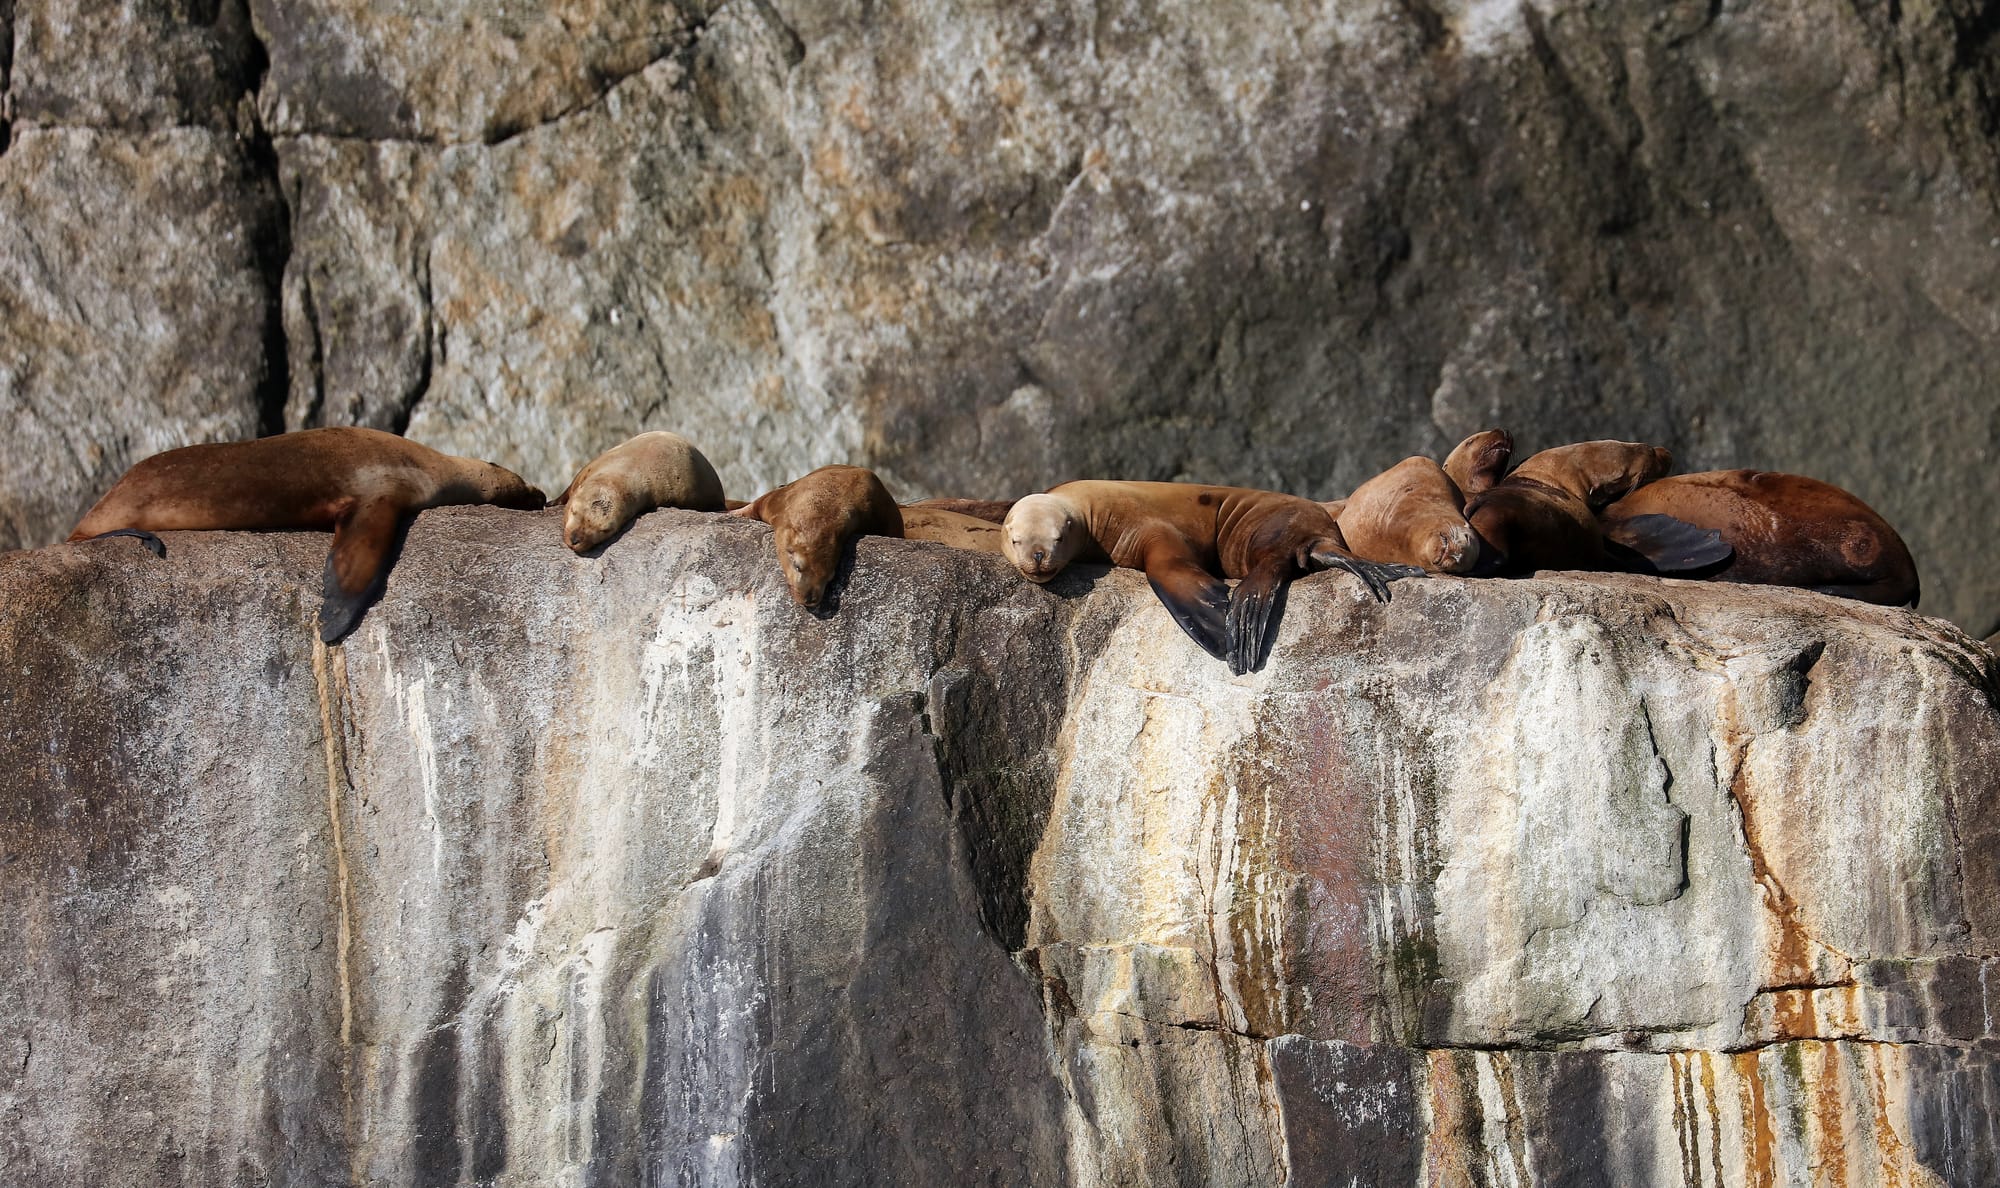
922 521
993 511
1785 529
360 483
1410 514
1183 535
813 518
1544 514
655 469
1479 461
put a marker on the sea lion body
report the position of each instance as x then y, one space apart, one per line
655 469
1786 530
993 511
1544 514
925 522
1182 536
813 518
1410 514
358 482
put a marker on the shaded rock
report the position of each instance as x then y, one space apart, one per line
140 65
626 869
138 309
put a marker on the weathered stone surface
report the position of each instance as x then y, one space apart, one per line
138 309
627 870
132 64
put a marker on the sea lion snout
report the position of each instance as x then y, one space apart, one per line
1454 550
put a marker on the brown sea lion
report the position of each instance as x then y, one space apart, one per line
1479 461
1544 514
1786 530
360 483
924 521
1410 514
813 518
1183 535
655 469
993 511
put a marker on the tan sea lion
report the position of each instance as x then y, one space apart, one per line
1479 461
1183 535
991 510
1410 514
655 469
813 518
1786 530
922 521
1544 514
360 483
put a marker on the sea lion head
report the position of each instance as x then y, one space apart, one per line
808 559
1599 472
1040 536
503 488
594 513
1409 515
1479 461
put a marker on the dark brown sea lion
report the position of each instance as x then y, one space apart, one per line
1786 530
813 518
1410 514
651 470
1545 515
1183 535
924 521
361 483
991 510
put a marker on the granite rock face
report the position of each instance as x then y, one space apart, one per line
625 869
987 246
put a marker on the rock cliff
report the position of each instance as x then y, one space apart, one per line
626 870
990 245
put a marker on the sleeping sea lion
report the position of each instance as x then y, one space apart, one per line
1544 514
361 483
651 470
813 518
1410 514
1479 461
993 511
1183 535
925 521
1786 530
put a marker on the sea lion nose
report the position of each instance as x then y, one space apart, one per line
1041 555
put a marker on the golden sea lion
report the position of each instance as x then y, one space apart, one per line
1410 514
1785 530
655 469
360 483
813 518
923 521
1186 537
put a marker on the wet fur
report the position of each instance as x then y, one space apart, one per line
358 482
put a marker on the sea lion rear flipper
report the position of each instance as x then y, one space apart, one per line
1663 544
154 544
1376 575
1197 600
356 565
1250 608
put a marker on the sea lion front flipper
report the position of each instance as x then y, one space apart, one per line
1376 575
356 565
1666 545
1250 608
154 544
1197 600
